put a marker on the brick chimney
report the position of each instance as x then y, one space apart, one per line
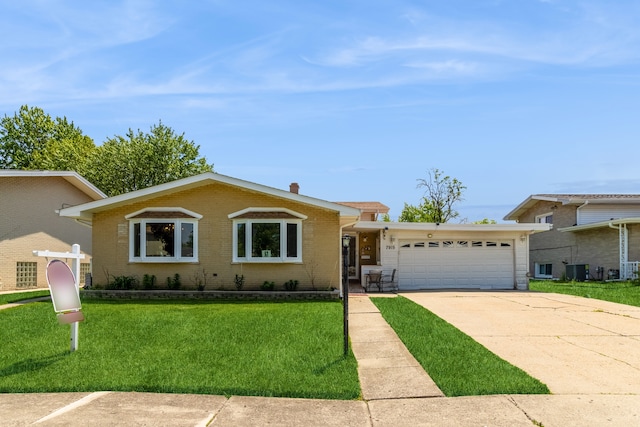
294 187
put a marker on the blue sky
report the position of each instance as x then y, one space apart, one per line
354 100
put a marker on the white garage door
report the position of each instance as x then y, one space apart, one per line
473 264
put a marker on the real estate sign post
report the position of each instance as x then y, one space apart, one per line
63 286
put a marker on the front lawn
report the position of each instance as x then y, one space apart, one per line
621 292
459 365
289 349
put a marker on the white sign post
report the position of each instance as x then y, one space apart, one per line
64 288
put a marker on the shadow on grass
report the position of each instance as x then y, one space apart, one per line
321 370
30 365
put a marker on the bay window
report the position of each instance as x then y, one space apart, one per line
267 235
161 235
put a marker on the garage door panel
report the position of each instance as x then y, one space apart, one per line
456 265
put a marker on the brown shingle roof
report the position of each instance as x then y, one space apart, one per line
373 207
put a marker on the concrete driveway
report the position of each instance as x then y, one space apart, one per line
574 345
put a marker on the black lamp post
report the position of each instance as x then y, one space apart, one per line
345 289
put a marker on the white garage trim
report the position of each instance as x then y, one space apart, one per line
456 263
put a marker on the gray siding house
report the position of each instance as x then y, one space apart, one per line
593 236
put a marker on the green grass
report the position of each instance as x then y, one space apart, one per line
290 349
621 292
19 296
459 365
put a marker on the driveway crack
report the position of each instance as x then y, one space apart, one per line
529 417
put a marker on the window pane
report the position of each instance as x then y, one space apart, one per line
136 240
265 240
186 234
241 239
160 239
292 240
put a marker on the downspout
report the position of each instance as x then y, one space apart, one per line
623 248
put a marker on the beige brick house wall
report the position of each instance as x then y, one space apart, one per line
320 268
28 222
597 247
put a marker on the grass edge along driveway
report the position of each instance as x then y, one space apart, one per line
285 349
459 365
622 292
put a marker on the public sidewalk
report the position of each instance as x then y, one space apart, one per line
396 391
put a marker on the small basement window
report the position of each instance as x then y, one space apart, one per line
543 271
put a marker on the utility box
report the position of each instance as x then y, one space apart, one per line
578 272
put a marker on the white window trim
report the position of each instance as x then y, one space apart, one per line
164 209
177 242
537 275
543 217
283 240
252 210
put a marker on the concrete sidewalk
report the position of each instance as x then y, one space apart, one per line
150 409
385 367
396 391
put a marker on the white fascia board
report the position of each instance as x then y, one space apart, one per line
528 203
86 187
343 210
431 226
86 210
348 221
601 224
608 201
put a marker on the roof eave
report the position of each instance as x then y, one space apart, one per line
600 224
72 177
85 211
528 203
432 226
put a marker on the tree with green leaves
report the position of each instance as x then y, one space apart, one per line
33 140
421 213
442 192
140 160
485 221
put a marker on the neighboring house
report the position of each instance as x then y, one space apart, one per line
218 228
593 236
214 228
29 221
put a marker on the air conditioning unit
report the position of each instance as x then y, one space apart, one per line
578 272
